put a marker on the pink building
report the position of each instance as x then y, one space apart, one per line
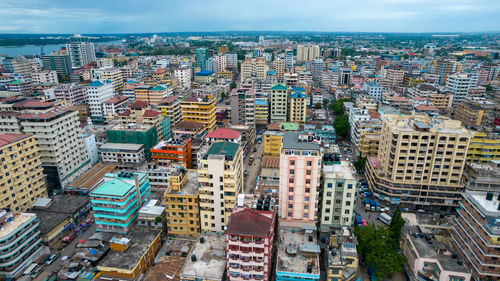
250 238
300 168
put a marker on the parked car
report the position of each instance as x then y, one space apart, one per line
43 259
52 258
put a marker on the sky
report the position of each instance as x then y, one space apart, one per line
149 16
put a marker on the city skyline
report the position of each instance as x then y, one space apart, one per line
414 16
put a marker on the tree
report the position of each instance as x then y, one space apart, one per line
397 223
337 106
158 219
341 125
233 85
223 96
359 164
318 105
488 87
377 249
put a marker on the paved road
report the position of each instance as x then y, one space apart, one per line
68 251
254 169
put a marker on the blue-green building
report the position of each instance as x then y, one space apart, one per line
116 202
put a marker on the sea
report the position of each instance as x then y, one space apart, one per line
15 51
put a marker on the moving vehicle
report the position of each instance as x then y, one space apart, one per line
52 259
252 157
385 218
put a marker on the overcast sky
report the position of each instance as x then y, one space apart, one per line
133 16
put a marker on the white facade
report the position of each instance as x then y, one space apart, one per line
220 63
91 145
184 76
231 60
45 76
98 93
373 89
122 154
460 84
81 53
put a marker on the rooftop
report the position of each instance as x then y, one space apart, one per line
12 225
223 148
279 87
190 187
6 139
249 222
49 220
61 203
138 104
488 207
96 83
190 125
151 209
344 171
270 162
167 268
121 147
115 185
291 141
140 240
222 133
90 178
296 249
210 261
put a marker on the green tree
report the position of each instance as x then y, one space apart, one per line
233 85
337 106
318 105
488 87
377 249
158 219
397 223
359 164
341 125
223 96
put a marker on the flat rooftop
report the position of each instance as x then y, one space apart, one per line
191 185
210 258
115 185
430 251
12 225
140 240
223 148
121 147
295 251
92 177
490 206
345 171
62 203
48 219
291 141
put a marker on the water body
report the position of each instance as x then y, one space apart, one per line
15 51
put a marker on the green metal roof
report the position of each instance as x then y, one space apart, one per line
15 82
289 126
279 87
115 187
223 148
158 88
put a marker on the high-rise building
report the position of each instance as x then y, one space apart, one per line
171 107
21 242
476 235
279 103
289 61
475 113
20 187
45 76
97 93
305 53
373 89
338 194
201 56
173 151
152 94
297 111
251 223
116 202
182 203
443 68
80 50
199 108
58 61
21 66
300 170
231 60
56 130
484 147
112 74
317 68
220 63
221 178
279 67
184 76
243 105
254 67
460 84
420 161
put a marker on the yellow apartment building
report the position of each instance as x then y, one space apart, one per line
182 204
298 108
484 147
272 143
199 108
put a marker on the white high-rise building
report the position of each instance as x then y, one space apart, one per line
220 63
305 53
373 89
460 84
81 52
97 93
184 76
231 60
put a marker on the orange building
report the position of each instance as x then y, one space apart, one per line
172 151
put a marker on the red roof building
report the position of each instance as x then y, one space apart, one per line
250 237
222 134
172 151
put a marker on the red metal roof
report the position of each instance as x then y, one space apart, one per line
426 107
249 222
10 138
150 113
138 104
222 133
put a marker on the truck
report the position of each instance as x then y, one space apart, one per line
372 205
359 220
385 218
367 204
368 194
377 206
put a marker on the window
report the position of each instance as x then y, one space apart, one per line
306 198
308 181
340 184
349 186
330 185
309 163
290 189
290 198
292 162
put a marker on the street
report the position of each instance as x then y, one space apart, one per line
68 251
253 170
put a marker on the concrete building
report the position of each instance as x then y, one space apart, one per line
111 74
298 254
477 235
97 93
392 76
300 170
140 134
199 108
20 65
57 133
476 113
184 76
152 94
73 93
484 147
221 179
459 84
139 114
201 56
23 87
297 111
250 238
279 103
220 63
338 194
122 155
171 107
46 76
224 135
432 260
231 60
58 61
20 188
182 203
343 260
243 105
272 143
420 162
373 89
80 50
443 68
279 67
116 202
307 52
482 176
261 111
21 242
89 141
254 67
114 106
207 259
172 152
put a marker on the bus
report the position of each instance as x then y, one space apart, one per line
33 270
385 218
